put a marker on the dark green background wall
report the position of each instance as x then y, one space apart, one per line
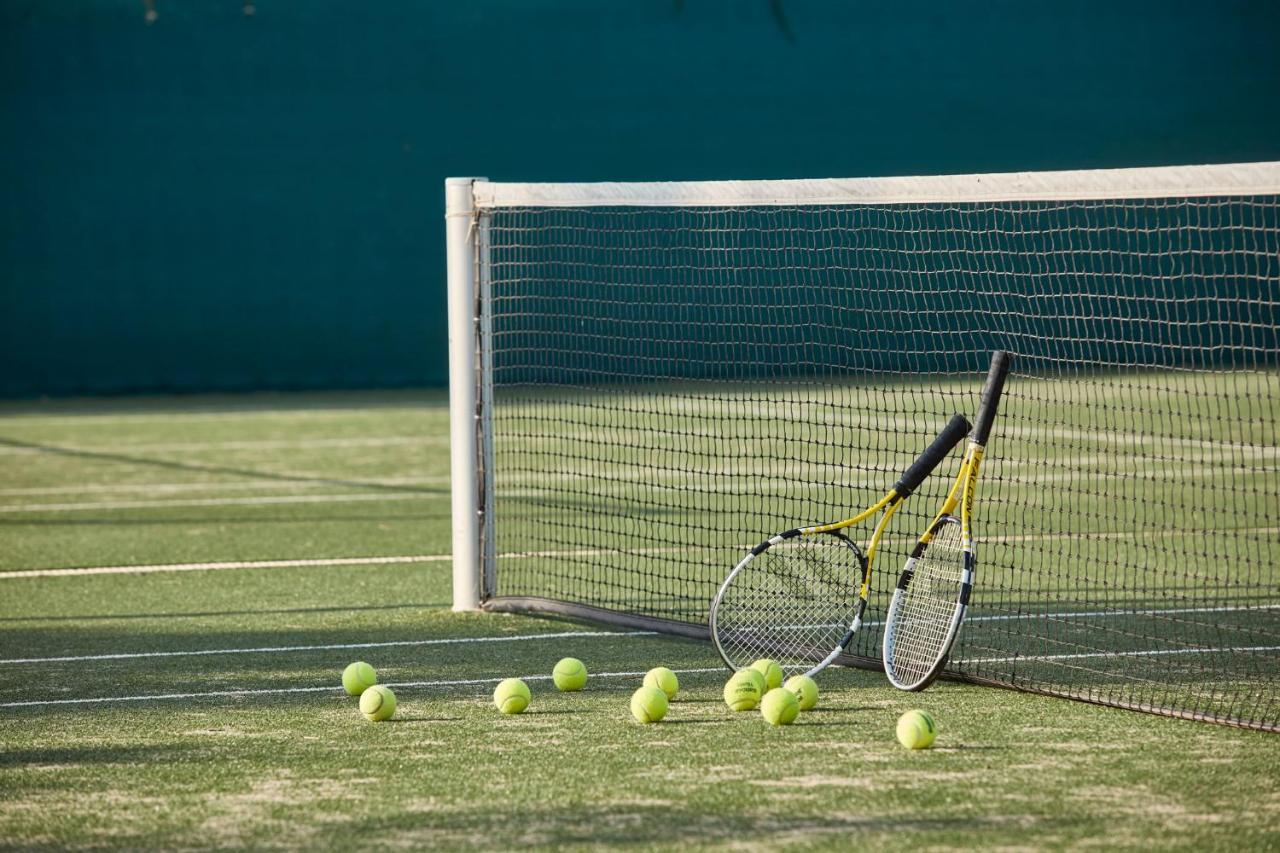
218 201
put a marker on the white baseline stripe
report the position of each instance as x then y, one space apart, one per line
94 416
265 444
451 641
623 481
831 475
1107 614
205 567
526 555
622 485
334 561
301 480
1120 655
97 700
265 500
1078 614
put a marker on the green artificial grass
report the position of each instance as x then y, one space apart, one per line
258 746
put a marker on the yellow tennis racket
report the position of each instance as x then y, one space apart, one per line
933 589
799 597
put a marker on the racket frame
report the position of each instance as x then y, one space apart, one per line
962 494
932 456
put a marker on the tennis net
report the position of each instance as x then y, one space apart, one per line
649 378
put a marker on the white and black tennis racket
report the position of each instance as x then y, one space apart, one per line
799 597
933 589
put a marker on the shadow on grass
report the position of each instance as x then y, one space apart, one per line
194 467
625 825
101 755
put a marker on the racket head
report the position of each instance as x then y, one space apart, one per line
792 599
928 606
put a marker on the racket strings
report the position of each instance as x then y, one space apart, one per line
793 603
928 607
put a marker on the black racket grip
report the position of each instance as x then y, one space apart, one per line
1000 361
956 429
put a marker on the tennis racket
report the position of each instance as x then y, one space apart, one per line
933 590
799 597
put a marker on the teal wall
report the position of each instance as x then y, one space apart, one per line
217 201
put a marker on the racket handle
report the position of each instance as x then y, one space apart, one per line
1000 361
956 429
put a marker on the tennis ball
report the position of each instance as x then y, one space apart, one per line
780 707
770 670
916 730
648 704
805 689
511 696
741 692
570 675
762 686
378 703
663 679
358 677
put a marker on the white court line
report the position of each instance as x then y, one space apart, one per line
760 474
628 485
451 641
1120 654
265 411
143 569
264 444
154 697
1093 614
304 480
336 561
1120 534
562 635
258 501
1082 614
610 434
204 567
1111 437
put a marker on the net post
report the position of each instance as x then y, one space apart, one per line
464 364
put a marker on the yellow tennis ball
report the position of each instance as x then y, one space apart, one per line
377 703
511 696
569 675
358 677
741 692
648 704
805 689
916 730
780 707
663 679
771 671
762 686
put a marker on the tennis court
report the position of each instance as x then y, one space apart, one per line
232 554
369 371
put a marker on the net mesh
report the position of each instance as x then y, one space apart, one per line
926 609
670 385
